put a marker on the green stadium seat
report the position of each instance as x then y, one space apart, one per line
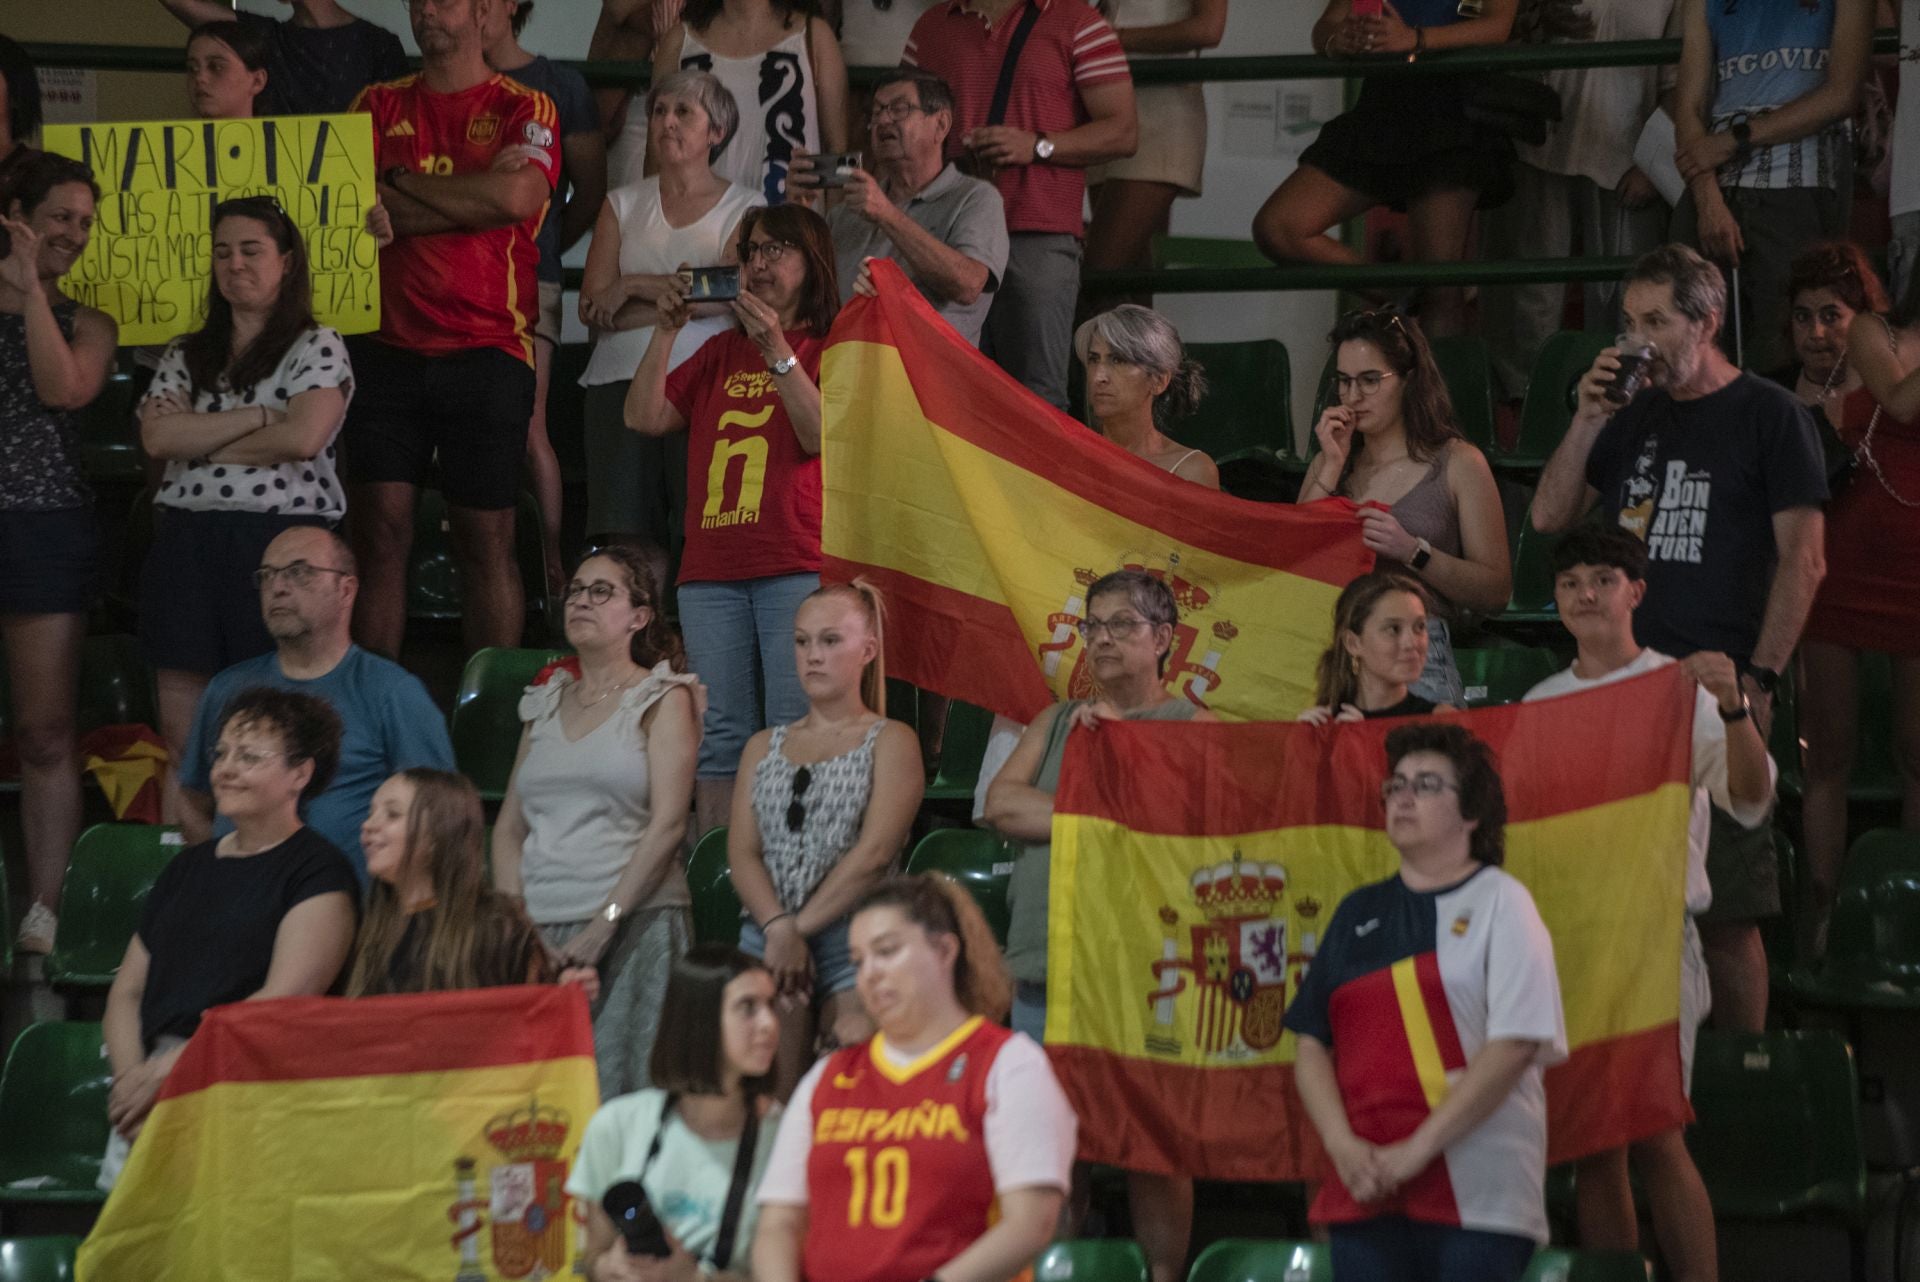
1087 1260
37 1259
53 1114
1554 1265
1532 597
1778 1130
1256 1260
716 907
1247 413
116 688
112 869
433 574
981 861
903 702
1468 372
1876 773
961 750
486 714
1550 401
110 437
1873 939
1503 674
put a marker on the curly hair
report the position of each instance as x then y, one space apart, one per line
308 727
1482 797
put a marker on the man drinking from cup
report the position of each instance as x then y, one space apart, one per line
1721 474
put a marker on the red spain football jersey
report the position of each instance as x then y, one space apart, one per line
456 290
898 1180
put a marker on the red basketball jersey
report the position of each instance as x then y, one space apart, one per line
898 1181
451 291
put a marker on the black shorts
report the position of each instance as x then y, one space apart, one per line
199 610
1407 137
49 561
469 410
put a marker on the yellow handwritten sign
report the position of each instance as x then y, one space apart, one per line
150 260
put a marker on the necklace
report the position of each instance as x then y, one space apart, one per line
585 703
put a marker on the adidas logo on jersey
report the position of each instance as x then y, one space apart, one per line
402 130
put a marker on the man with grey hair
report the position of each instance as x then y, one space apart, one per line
1721 473
947 231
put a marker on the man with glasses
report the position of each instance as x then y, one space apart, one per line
1041 90
467 159
308 581
948 231
1599 577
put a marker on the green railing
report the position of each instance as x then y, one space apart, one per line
1196 280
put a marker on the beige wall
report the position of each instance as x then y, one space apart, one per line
123 95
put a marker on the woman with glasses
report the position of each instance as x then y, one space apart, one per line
821 814
749 402
266 911
55 354
1388 439
1127 635
244 412
683 215
593 827
1431 1178
1379 650
1139 378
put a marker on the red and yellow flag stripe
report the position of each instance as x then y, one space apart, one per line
1598 795
985 513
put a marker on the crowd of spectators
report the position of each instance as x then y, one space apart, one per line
1741 525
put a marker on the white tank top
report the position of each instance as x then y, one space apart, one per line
779 110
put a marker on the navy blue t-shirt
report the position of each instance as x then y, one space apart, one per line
318 70
573 102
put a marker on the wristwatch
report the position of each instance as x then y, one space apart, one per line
1742 133
784 365
1422 553
1740 713
1766 678
1042 147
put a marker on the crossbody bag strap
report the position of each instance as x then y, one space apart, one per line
1003 89
737 1190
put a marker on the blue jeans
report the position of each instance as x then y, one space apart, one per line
1396 1249
1030 1010
832 950
1440 679
739 639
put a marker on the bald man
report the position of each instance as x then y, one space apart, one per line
308 581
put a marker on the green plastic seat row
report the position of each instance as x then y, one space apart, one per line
1504 674
1873 938
116 688
37 1259
112 869
486 714
1253 1260
433 572
53 1114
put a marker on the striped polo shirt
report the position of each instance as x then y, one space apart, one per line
1070 49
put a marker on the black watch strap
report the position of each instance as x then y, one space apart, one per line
1740 713
1766 678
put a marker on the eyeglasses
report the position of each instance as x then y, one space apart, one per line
1424 784
244 758
895 111
796 809
1365 384
298 573
1119 629
771 250
599 592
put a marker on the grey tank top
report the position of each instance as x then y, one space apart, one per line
835 804
1427 512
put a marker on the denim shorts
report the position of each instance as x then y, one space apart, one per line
1030 1009
832 954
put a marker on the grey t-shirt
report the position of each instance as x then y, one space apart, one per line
960 212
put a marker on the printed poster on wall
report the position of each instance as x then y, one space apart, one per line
150 259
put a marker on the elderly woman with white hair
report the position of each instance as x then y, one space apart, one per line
1138 379
685 215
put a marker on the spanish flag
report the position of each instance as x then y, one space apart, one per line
409 1137
1195 864
984 514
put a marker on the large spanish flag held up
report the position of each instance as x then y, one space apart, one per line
984 514
413 1137
1195 864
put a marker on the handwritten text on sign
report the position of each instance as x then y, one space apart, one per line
151 256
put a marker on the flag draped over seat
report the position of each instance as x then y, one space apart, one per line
396 1138
984 514
1195 866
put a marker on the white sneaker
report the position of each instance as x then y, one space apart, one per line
37 929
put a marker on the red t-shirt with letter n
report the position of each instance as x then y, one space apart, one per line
451 291
898 1178
753 495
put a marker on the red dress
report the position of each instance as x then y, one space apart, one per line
1870 599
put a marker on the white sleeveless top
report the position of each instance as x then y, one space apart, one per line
651 246
587 801
779 109
874 37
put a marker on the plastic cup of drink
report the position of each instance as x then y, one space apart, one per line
1636 355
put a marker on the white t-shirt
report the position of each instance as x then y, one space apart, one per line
1603 109
688 1181
1903 189
874 37
1031 1131
304 487
1709 766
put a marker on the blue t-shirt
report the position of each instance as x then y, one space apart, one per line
573 102
1766 53
391 724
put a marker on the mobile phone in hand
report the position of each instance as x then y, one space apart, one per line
832 169
714 285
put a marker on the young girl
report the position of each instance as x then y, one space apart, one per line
432 924
1379 650
820 813
226 69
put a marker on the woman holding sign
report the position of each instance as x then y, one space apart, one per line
244 411
54 358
